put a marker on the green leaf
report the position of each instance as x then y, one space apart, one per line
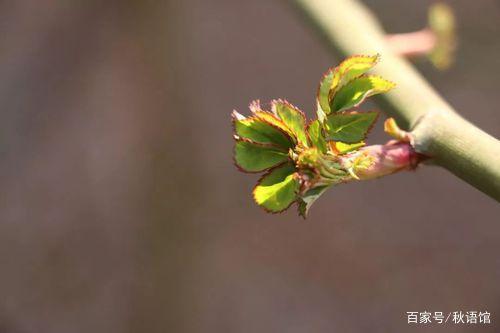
323 103
343 148
307 199
349 127
352 68
316 136
254 157
273 120
277 189
260 131
335 78
357 90
293 118
270 118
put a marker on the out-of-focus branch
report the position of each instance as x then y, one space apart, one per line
439 132
412 44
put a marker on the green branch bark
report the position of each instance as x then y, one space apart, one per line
452 142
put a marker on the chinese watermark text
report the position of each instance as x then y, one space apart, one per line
453 317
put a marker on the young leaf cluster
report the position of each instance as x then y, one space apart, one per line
301 159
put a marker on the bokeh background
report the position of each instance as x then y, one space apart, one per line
121 211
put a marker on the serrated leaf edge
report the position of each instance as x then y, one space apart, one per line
270 145
284 101
331 70
236 114
335 70
258 182
367 94
357 112
376 57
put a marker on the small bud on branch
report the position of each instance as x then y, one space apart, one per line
381 160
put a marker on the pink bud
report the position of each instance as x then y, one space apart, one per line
380 160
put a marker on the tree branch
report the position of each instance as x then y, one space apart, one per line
452 142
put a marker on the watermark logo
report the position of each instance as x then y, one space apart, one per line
453 317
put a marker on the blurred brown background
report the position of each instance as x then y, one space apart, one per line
121 210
